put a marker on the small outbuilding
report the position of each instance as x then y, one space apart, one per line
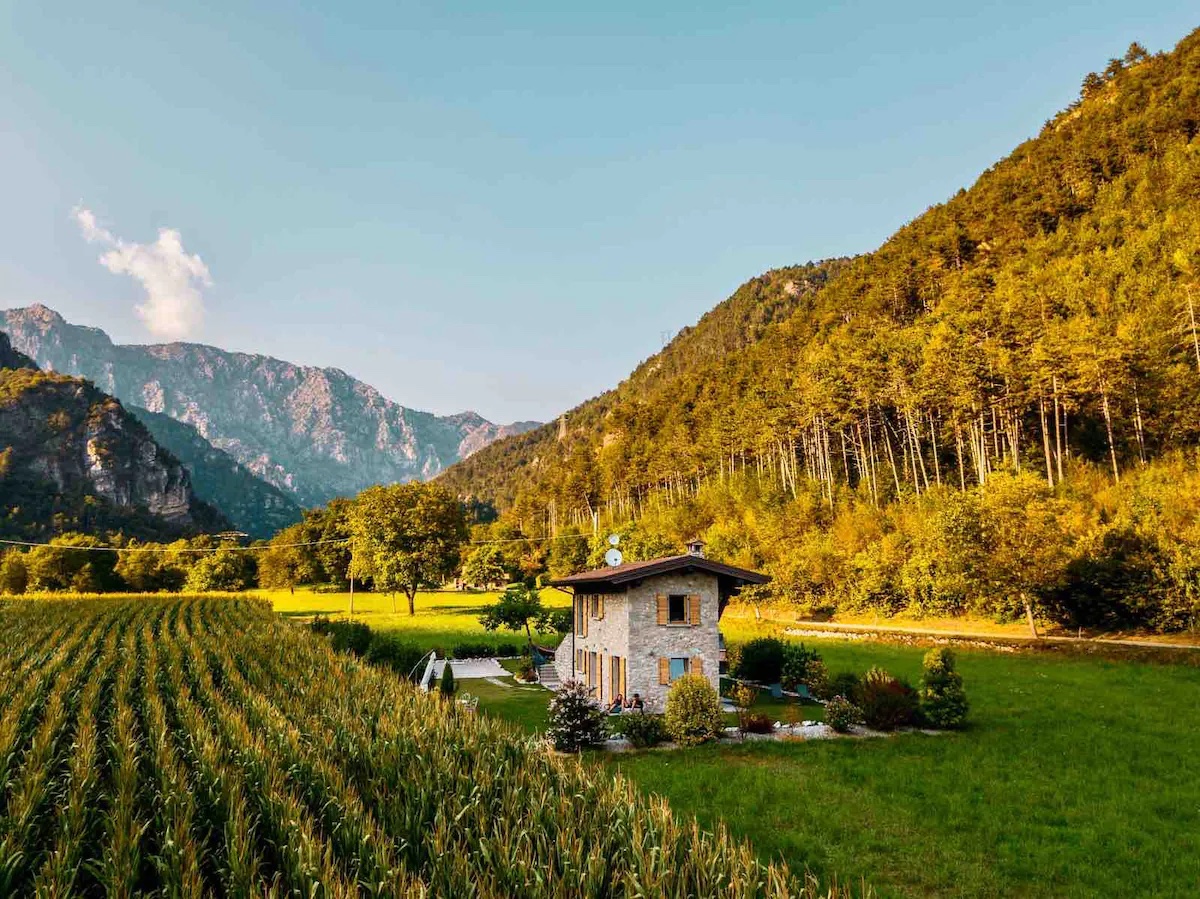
639 626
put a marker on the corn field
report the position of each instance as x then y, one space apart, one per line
203 747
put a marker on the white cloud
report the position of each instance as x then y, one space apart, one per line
173 280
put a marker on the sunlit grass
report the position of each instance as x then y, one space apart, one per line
442 619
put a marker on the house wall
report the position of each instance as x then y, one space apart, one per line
649 641
630 629
608 635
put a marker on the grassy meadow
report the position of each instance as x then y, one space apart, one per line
1078 776
442 618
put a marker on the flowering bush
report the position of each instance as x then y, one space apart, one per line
576 719
841 714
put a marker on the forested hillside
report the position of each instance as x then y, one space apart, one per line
71 457
1040 325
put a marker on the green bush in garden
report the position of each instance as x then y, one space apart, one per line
447 686
693 713
576 719
796 664
643 729
887 702
841 714
846 684
761 660
943 699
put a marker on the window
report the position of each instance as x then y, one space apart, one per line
593 672
677 608
679 667
597 610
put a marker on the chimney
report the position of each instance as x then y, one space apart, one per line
696 547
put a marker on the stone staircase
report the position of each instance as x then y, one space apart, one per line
549 676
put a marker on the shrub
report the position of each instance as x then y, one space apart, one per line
527 672
472 650
447 686
756 723
344 636
797 660
761 660
846 684
395 654
841 714
576 719
642 729
693 713
943 699
887 703
14 575
816 678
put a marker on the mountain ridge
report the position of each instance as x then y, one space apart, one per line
314 433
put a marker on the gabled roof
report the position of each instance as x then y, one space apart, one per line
619 575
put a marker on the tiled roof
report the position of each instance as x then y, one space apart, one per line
636 571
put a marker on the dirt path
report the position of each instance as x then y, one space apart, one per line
805 628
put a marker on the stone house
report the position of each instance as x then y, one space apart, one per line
639 626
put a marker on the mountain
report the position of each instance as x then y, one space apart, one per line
250 503
72 458
1044 317
10 358
314 433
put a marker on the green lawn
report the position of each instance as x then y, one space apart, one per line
1078 776
442 618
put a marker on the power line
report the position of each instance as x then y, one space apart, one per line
161 548
170 549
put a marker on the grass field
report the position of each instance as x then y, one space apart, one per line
1078 777
443 618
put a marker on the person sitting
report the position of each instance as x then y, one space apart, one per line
636 704
618 703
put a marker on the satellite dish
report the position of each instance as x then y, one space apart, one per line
613 557
614 539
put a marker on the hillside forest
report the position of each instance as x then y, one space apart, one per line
1031 344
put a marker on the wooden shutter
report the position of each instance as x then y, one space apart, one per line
583 619
624 686
696 665
663 609
600 677
599 607
579 660
694 609
664 670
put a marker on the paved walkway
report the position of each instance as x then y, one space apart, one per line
465 669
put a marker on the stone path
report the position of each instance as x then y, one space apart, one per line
465 669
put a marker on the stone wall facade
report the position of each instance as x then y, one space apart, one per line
630 630
649 641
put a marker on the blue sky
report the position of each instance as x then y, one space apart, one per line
499 209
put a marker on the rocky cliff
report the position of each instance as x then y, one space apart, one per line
314 433
250 503
72 458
